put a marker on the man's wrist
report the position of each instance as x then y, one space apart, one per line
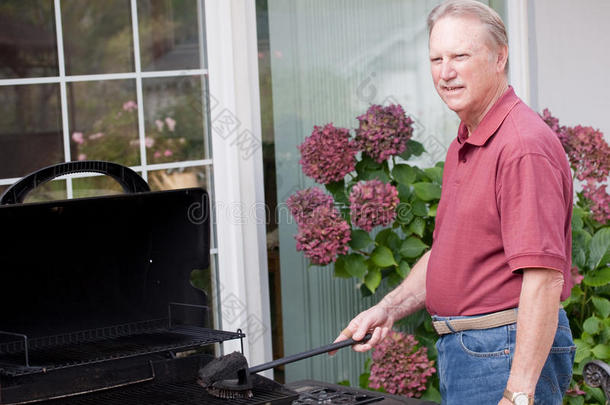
518 397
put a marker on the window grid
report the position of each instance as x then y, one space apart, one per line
138 75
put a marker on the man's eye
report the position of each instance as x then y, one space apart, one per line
435 60
461 56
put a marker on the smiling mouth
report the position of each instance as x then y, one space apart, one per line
448 88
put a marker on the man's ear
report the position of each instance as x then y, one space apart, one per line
502 58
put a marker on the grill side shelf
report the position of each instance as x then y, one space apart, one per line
22 356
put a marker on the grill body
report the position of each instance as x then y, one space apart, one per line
96 297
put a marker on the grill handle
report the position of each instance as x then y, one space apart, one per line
126 177
309 353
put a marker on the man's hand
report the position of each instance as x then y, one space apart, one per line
376 320
405 299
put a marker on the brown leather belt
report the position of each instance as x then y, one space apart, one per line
488 321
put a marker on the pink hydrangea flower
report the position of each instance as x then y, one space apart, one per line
323 236
168 153
400 366
384 131
589 156
130 106
95 136
82 156
171 123
157 154
159 124
600 201
328 154
78 138
303 202
373 203
149 142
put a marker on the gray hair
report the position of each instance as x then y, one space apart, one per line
472 8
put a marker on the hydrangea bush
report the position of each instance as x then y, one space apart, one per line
588 307
387 205
373 222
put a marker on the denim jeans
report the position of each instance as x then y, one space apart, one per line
474 365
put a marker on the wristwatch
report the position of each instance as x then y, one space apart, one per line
519 398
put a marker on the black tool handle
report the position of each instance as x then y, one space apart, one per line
306 354
127 178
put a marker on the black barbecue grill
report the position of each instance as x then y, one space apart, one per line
96 304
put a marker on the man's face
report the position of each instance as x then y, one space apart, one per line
465 69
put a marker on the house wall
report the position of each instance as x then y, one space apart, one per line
569 61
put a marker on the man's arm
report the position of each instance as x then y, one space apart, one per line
405 299
536 327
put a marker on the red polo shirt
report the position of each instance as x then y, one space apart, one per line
506 204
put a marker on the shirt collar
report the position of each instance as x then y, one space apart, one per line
492 120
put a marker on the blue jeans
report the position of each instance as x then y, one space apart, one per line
474 365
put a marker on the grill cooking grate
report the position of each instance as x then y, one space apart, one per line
105 344
183 393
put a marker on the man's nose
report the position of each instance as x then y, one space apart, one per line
447 71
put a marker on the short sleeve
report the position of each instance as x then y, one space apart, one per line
533 213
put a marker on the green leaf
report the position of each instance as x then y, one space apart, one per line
596 394
404 192
364 291
583 350
382 256
579 400
435 174
355 265
580 246
344 383
602 305
419 207
340 270
427 191
383 235
363 380
337 189
360 239
591 325
394 279
599 247
375 175
432 212
412 247
598 278
432 394
404 174
417 226
601 351
414 148
404 213
403 269
373 279
577 214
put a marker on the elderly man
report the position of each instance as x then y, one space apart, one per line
500 259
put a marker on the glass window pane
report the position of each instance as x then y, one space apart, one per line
30 128
98 36
180 178
50 191
169 34
104 121
173 110
28 44
95 186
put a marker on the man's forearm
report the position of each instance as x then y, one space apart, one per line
410 295
536 327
